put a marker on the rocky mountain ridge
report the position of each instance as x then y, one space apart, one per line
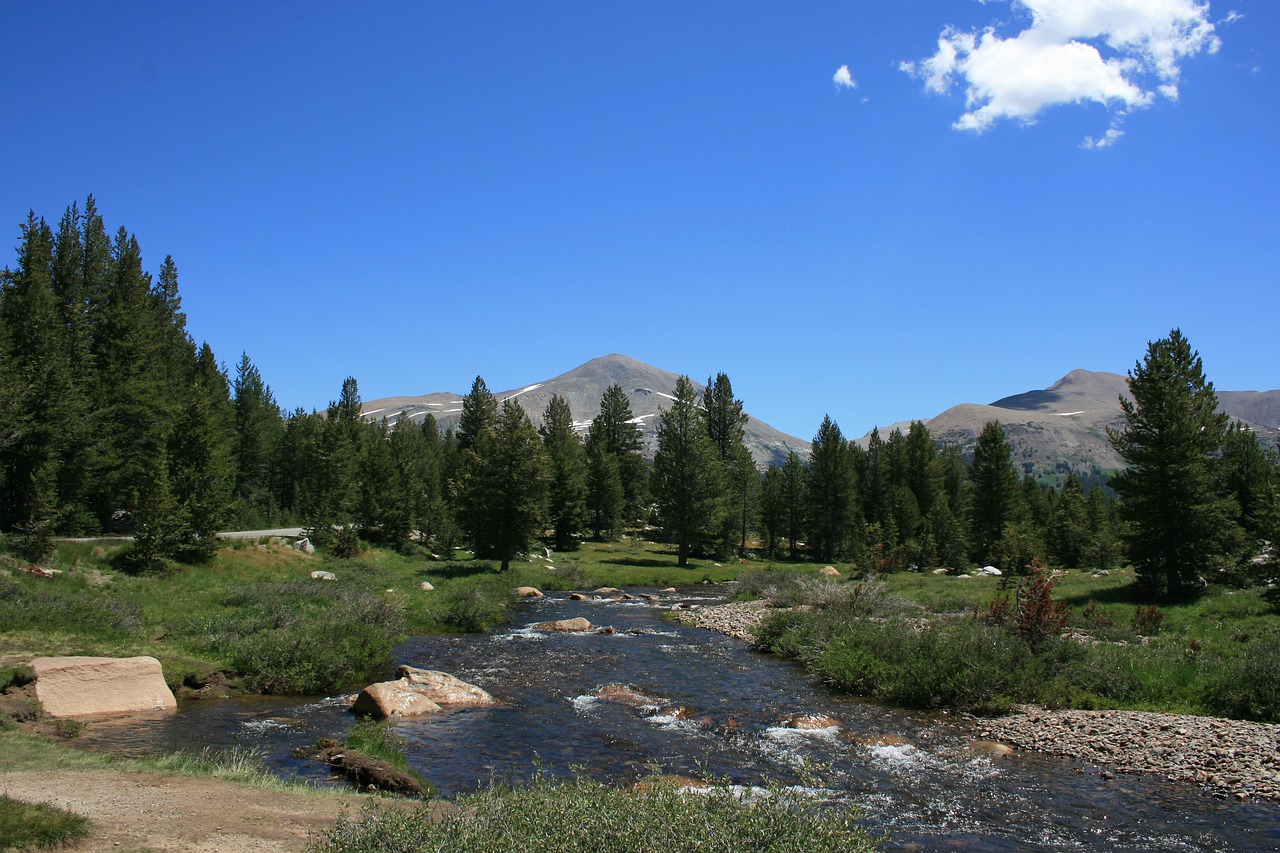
1052 430
648 388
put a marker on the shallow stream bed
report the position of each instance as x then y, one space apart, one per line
714 708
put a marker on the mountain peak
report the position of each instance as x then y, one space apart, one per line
649 389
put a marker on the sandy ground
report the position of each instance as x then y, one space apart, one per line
152 812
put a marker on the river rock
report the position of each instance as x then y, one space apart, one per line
608 590
668 591
579 596
526 592
808 722
624 694
445 689
993 748
323 576
575 624
397 698
86 686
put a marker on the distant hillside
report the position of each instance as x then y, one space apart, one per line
1063 427
649 389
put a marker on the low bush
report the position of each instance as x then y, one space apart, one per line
304 637
572 816
1248 686
472 606
962 664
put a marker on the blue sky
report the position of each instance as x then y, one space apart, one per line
869 209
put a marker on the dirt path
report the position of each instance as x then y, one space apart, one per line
137 812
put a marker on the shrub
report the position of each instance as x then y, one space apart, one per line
1247 686
1147 620
1038 616
302 637
656 815
473 606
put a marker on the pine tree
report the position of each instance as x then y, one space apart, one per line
201 472
1250 474
1178 525
831 492
33 370
504 490
995 494
479 414
605 494
1069 527
686 472
258 431
726 422
616 427
566 502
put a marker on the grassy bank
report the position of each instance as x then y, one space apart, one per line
254 620
931 641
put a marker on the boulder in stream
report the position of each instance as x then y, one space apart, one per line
87 686
416 692
445 689
575 624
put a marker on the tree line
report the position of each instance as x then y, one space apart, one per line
112 420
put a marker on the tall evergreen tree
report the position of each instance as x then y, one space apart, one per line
201 475
1178 524
686 472
995 494
782 505
504 490
1250 474
258 431
616 427
567 495
33 352
606 497
831 491
479 413
1069 528
726 422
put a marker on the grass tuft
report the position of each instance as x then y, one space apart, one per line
27 826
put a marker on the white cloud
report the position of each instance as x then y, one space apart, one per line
1111 137
1118 53
843 79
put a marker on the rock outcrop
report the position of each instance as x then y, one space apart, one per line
88 686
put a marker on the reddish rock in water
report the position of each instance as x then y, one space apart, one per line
575 624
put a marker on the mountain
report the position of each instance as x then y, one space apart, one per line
1063 427
649 389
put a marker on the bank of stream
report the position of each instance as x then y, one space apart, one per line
713 708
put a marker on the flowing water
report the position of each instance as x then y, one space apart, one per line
715 709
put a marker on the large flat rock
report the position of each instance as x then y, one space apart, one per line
88 686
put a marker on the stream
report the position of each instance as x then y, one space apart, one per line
919 777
